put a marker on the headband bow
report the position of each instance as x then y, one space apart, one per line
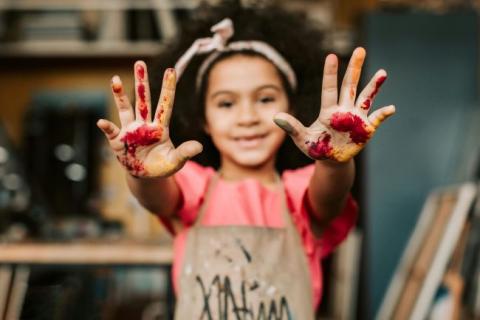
217 44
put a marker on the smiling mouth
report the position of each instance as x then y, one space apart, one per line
250 141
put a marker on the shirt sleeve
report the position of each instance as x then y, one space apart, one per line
192 181
296 185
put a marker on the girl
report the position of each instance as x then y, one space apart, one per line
251 237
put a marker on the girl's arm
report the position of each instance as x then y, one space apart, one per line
341 130
329 188
158 195
142 145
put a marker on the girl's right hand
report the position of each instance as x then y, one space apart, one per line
143 145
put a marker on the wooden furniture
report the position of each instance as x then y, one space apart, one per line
16 259
432 246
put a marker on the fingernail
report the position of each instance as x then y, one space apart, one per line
284 125
116 84
360 51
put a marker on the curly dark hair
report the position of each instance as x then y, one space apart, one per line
294 36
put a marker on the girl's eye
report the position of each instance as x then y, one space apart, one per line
267 99
225 104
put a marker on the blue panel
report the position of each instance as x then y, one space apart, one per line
432 65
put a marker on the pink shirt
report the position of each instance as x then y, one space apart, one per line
248 202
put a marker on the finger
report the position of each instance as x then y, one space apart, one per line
125 111
348 91
289 124
329 83
142 92
110 130
167 95
380 115
365 99
188 150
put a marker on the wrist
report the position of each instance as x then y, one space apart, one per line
143 179
334 163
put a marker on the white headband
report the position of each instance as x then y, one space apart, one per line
217 45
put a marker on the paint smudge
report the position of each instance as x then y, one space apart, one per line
353 124
368 102
143 105
321 149
378 83
271 290
160 114
244 250
162 107
141 72
141 92
132 164
117 88
142 136
285 125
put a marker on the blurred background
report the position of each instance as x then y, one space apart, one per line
59 182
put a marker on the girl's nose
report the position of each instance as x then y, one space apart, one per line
248 114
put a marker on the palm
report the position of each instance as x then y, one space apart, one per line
143 145
343 126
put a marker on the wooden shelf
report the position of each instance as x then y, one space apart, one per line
77 48
87 253
106 45
97 4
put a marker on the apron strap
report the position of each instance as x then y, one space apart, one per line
206 199
286 215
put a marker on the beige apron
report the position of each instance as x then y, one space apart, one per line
244 272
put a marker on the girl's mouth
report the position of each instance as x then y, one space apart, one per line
248 142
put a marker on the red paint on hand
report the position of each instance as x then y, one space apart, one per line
159 117
143 111
142 136
143 106
133 165
320 149
141 92
117 88
141 72
366 104
353 124
378 83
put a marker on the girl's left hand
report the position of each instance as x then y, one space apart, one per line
343 126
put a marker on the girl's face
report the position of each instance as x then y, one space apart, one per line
243 94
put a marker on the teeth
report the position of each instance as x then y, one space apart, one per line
249 138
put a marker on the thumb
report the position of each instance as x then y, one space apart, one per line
110 130
289 124
188 149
